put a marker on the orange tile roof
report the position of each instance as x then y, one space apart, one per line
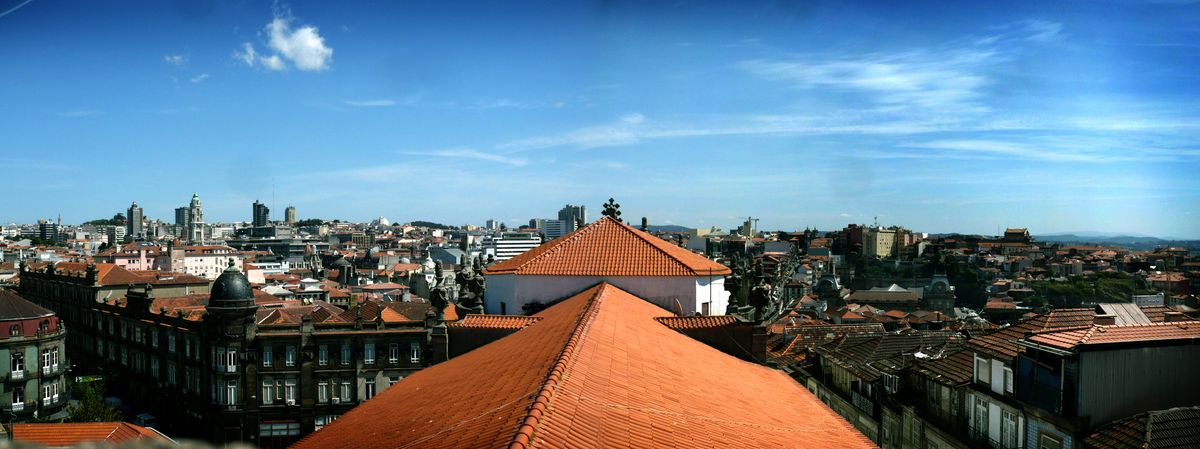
1070 338
697 322
597 370
495 321
608 247
72 434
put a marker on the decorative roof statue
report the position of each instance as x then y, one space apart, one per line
760 299
612 209
439 298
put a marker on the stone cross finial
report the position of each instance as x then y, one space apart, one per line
612 209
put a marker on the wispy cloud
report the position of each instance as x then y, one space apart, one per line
369 103
176 60
302 47
945 81
200 78
468 153
15 8
79 113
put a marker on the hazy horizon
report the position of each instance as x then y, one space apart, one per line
1058 117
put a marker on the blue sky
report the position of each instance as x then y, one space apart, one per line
954 116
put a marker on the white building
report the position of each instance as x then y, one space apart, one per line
607 250
510 244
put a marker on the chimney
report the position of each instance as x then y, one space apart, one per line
1105 319
1172 317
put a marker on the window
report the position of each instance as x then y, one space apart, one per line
231 360
323 391
980 421
1008 430
268 355
346 390
983 370
154 366
392 380
290 357
14 330
369 353
1049 442
290 391
325 420
46 358
323 355
154 337
345 353
171 342
171 373
268 391
18 364
1008 381
279 429
369 391
394 353
231 392
18 399
890 383
414 355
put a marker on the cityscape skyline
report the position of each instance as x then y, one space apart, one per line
941 118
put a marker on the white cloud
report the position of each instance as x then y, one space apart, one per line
179 59
633 118
468 153
200 78
247 54
943 81
369 103
1041 30
303 47
273 62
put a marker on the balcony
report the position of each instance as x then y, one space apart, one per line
1044 396
863 403
18 406
17 375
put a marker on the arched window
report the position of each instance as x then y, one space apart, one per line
45 326
14 330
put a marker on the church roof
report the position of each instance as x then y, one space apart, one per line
596 370
608 247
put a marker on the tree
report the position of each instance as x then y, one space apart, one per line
91 406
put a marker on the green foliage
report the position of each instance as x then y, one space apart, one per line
91 406
431 225
310 222
101 222
1105 287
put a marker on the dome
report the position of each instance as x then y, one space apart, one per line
341 262
231 285
405 260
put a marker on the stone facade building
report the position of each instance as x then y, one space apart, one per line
235 364
33 359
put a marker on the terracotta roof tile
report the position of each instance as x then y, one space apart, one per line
1070 338
608 247
697 322
495 321
1163 429
596 370
72 434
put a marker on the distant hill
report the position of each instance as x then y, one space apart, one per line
665 228
1138 242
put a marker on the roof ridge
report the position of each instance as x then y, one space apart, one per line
539 408
639 235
